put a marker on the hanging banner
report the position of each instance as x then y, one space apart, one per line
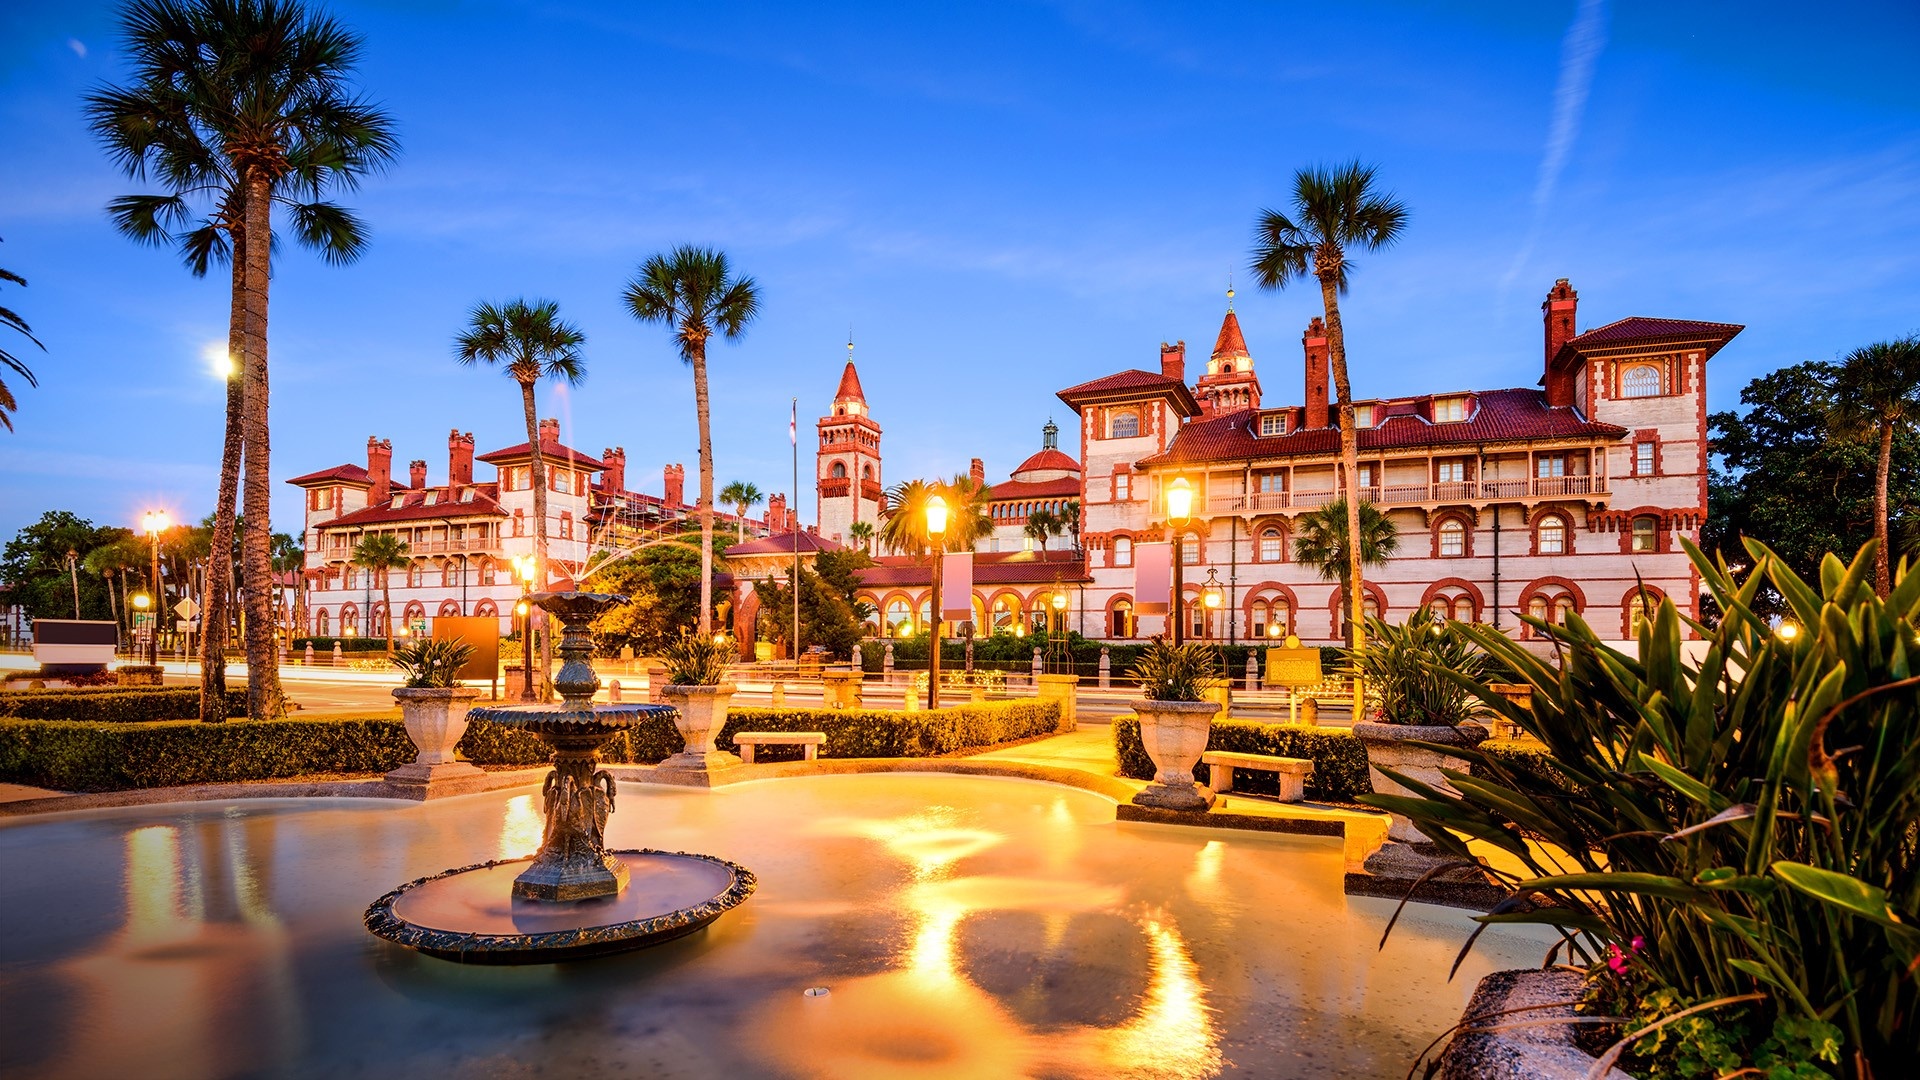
956 586
1152 578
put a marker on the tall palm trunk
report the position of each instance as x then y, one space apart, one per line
1349 466
1882 575
112 604
699 352
214 613
264 697
386 605
538 474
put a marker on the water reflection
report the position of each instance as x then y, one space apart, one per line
198 980
1173 1035
521 828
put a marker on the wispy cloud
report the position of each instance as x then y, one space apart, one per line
1579 54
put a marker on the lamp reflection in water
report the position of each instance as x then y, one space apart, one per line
927 1018
521 828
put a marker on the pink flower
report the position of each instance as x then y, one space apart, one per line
1616 960
1638 943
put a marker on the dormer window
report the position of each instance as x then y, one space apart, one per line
1362 416
398 502
1449 410
1273 424
432 498
466 496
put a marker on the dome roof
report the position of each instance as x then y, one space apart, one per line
1048 460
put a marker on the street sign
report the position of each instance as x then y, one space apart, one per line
142 620
186 609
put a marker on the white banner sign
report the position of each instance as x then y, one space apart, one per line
956 586
1152 578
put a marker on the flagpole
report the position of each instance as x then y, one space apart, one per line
793 436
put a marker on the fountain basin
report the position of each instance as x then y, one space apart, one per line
470 914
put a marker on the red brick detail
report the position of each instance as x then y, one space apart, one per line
1466 523
1460 585
1541 514
1314 346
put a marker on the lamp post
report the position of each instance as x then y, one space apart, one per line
153 523
1179 513
143 601
936 533
1059 656
524 569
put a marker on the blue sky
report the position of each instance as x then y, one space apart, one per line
1003 200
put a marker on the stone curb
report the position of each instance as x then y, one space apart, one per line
1536 1051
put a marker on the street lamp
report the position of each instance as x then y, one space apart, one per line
1210 593
936 532
524 569
1179 513
153 523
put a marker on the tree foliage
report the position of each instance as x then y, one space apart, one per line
1781 475
829 615
35 564
661 582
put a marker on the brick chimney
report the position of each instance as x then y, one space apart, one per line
776 513
459 458
1173 360
676 490
1314 343
379 469
417 473
1557 314
793 521
978 471
549 431
614 477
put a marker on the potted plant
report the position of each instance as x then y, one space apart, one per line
696 673
1414 710
1176 718
433 705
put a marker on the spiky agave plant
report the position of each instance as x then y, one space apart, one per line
697 660
1398 671
1751 821
1177 672
432 663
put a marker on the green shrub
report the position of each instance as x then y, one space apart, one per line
1169 672
1740 828
863 733
1397 671
432 663
1339 761
119 705
70 756
697 660
324 645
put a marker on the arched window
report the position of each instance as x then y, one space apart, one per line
1369 607
1562 607
1122 551
1640 609
1189 549
487 571
1122 620
1552 535
1038 609
519 523
1125 424
1006 612
349 620
898 620
1453 538
839 470
1537 607
1273 545
1640 380
1257 618
1646 533
322 625
866 472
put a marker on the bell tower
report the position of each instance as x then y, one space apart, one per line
1229 384
847 465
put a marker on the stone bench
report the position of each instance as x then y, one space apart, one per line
1292 772
808 742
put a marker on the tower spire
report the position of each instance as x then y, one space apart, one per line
1229 292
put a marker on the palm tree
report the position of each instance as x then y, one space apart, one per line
530 342
903 524
1334 210
861 533
243 102
1321 542
692 291
380 553
742 496
111 560
1043 523
1070 517
9 319
1877 392
289 557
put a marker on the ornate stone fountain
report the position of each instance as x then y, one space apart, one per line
575 897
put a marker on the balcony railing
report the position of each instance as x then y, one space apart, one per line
1451 491
443 547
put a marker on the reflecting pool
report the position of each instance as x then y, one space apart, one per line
960 926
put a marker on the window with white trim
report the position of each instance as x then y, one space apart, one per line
1123 424
1362 416
1450 472
1189 549
1122 551
1643 458
1273 424
1122 487
1646 536
1641 380
1449 410
1273 545
1553 535
1453 538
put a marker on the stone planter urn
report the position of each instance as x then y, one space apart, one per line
702 712
435 719
1388 745
1174 734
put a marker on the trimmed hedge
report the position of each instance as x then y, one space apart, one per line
1339 759
75 756
119 705
70 756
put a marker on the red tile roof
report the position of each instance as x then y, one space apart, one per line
784 544
550 451
1132 383
413 507
850 386
1637 328
989 568
1498 416
1230 342
345 474
1035 489
1048 458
